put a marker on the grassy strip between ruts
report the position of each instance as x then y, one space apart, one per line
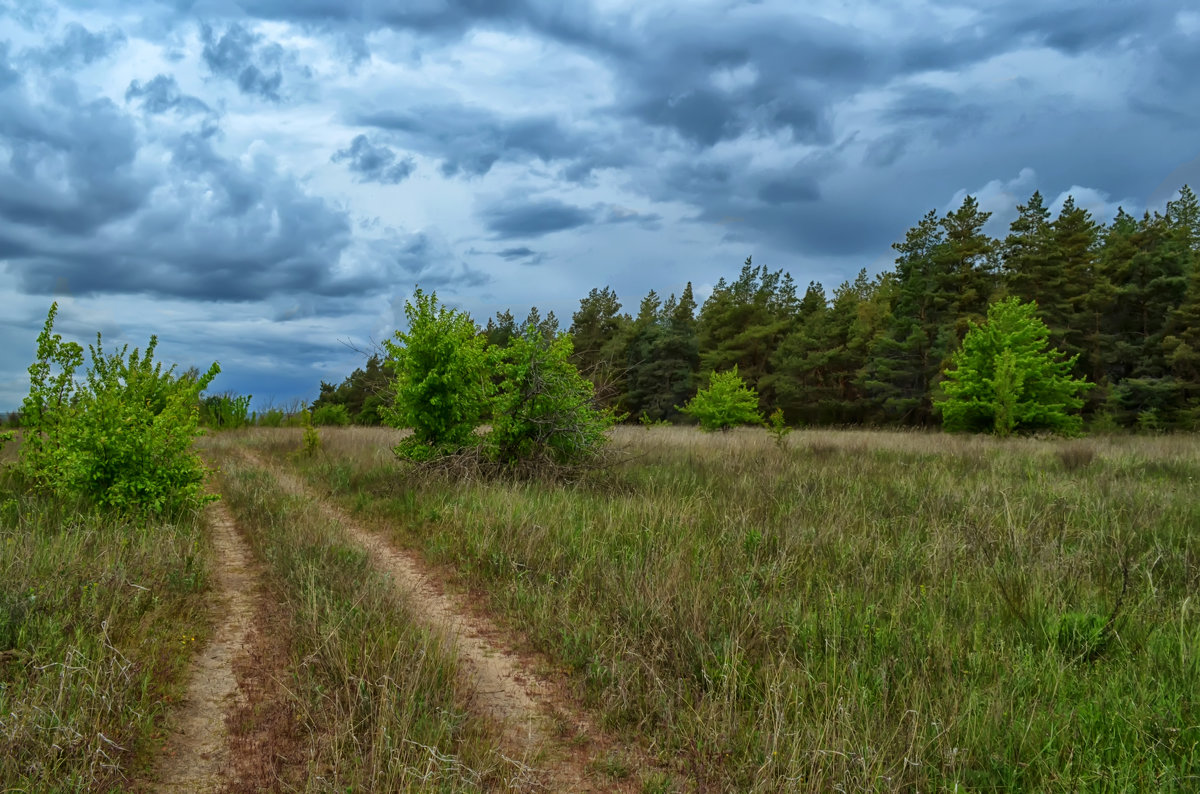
99 617
866 610
379 696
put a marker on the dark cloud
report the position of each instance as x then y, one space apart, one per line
514 217
420 258
162 94
203 226
239 55
523 255
79 47
471 140
374 163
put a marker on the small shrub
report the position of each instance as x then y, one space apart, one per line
645 421
1075 456
123 438
727 402
227 411
312 437
270 418
778 428
331 415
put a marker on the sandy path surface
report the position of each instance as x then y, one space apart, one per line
198 748
540 726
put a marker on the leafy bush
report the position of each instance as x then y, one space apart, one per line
441 385
312 437
226 411
1005 377
544 409
123 438
328 414
272 417
726 403
778 428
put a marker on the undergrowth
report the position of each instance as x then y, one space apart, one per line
855 610
99 617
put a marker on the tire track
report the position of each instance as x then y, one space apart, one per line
198 752
539 725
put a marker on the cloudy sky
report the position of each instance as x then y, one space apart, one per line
262 182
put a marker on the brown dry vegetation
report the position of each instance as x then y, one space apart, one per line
872 610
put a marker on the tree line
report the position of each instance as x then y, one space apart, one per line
1122 299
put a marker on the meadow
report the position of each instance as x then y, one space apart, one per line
852 610
846 610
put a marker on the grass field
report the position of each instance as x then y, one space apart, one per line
865 610
851 611
99 617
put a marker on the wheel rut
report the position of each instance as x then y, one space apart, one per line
539 725
197 751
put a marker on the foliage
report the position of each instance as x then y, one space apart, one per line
361 394
726 403
123 437
227 411
312 437
1006 378
1124 297
335 414
441 387
544 409
778 428
272 417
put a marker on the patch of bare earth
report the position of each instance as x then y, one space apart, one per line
541 726
233 729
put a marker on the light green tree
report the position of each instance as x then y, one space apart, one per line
1005 377
544 409
442 384
726 403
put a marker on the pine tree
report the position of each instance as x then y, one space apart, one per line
599 332
741 324
944 277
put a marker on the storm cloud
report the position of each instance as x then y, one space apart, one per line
260 165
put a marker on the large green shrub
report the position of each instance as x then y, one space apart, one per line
1007 378
441 386
726 403
544 409
123 437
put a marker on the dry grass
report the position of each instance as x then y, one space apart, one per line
379 698
865 610
99 617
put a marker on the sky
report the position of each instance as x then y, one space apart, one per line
263 182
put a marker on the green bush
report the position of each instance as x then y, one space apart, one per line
226 411
272 417
441 386
727 402
545 409
335 415
1007 378
123 438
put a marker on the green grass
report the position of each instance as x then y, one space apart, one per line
99 617
380 698
866 610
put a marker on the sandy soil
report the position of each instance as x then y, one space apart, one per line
540 725
197 751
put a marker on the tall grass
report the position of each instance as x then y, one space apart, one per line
380 697
99 617
856 610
